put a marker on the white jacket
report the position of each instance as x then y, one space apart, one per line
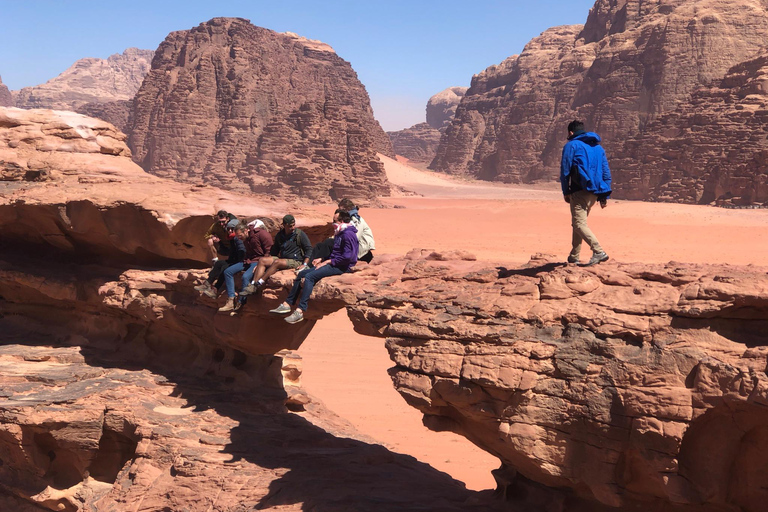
364 236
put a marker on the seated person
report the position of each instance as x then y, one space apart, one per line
213 284
216 236
364 233
258 243
342 258
291 248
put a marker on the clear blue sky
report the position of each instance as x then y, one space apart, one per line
404 51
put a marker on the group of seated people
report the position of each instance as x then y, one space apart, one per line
250 249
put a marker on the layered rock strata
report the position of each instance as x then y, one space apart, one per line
713 148
419 142
632 62
6 100
239 106
90 80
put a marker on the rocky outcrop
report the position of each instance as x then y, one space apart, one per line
441 108
632 62
6 100
713 148
419 142
118 113
90 80
239 106
622 385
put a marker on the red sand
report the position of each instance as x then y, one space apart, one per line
502 224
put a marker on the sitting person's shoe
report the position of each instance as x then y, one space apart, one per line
281 309
596 258
248 290
211 292
300 268
229 306
295 317
573 259
202 287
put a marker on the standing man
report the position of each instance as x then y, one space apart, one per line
586 179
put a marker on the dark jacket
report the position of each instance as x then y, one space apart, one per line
584 166
345 247
237 251
294 247
258 244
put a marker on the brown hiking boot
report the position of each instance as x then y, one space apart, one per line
229 306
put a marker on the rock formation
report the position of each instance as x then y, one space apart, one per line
629 386
90 80
239 106
118 113
713 148
632 62
6 100
441 108
419 142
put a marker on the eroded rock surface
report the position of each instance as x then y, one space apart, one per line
631 63
243 107
90 80
713 148
441 108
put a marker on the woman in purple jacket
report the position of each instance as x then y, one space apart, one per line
343 258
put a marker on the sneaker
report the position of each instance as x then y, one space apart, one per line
282 309
214 260
229 306
300 268
211 292
202 287
596 258
249 290
295 317
573 259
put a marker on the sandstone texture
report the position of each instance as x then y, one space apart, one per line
419 142
713 148
90 80
6 99
631 63
243 107
118 113
621 386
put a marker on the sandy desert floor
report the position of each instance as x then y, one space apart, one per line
506 225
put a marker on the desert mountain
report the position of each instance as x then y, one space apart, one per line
419 142
90 80
240 106
631 63
6 100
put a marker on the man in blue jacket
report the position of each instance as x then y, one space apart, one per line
586 179
343 258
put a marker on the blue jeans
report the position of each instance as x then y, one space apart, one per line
311 276
229 276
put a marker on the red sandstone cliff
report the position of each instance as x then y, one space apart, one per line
632 62
90 80
239 106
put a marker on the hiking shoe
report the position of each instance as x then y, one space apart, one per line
202 287
573 259
229 306
282 309
295 317
211 292
596 258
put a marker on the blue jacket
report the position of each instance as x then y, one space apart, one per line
345 245
584 166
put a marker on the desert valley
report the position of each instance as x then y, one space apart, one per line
467 367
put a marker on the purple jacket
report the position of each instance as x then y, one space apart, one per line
345 245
